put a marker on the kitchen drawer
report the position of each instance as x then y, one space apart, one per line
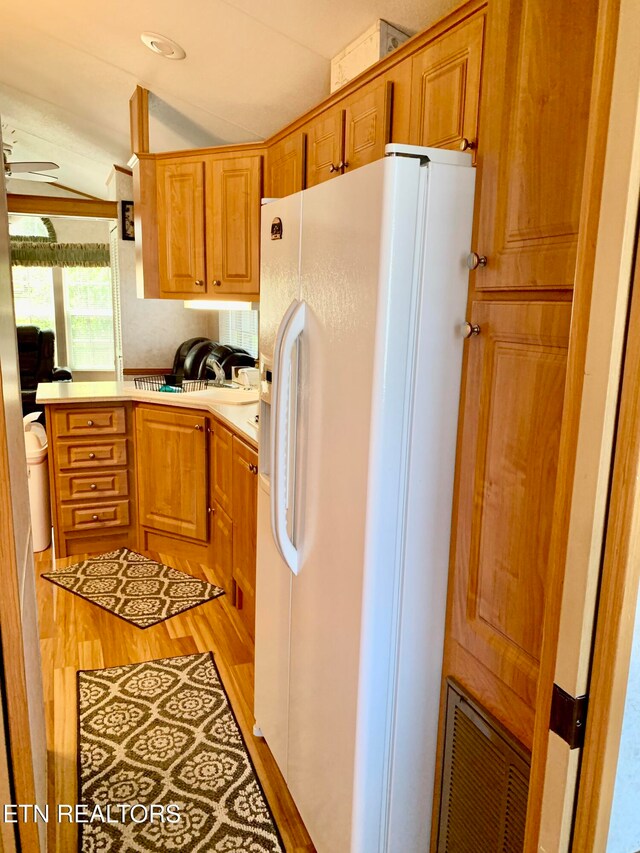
96 484
91 454
99 420
83 516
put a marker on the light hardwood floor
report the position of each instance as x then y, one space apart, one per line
78 635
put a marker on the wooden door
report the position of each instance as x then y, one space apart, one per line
180 212
445 89
511 415
220 457
325 137
285 166
222 539
245 516
171 449
533 132
367 126
234 189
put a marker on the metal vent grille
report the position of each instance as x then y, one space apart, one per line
485 782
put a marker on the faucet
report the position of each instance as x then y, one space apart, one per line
219 377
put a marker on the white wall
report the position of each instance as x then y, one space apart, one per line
152 329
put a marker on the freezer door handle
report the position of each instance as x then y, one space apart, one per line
290 330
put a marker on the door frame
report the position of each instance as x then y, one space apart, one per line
600 312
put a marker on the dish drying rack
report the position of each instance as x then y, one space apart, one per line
171 383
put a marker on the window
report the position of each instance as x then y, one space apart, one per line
239 328
33 297
88 312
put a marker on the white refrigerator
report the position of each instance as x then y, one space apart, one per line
363 294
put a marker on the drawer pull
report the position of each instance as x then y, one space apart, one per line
94 517
89 422
93 486
92 455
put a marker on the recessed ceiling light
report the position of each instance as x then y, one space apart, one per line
163 46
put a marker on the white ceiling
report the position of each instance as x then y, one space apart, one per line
68 71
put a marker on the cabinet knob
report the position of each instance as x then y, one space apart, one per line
211 509
93 486
94 517
470 330
333 168
199 282
92 455
474 260
216 282
199 427
467 144
89 423
253 468
343 165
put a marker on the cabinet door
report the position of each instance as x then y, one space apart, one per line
181 259
171 449
325 138
233 225
446 89
533 132
244 514
511 416
285 167
367 124
222 539
220 456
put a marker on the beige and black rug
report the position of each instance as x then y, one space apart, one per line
134 587
162 733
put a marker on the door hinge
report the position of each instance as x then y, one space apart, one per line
568 716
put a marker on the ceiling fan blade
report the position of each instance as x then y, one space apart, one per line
34 176
35 166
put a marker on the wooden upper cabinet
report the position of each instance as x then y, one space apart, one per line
533 132
233 225
367 127
325 137
285 166
511 417
445 89
171 449
181 228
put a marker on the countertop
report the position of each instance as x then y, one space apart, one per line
238 417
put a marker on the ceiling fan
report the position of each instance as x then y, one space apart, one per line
28 170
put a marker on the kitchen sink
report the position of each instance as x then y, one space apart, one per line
234 396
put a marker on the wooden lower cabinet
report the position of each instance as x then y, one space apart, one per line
92 477
244 512
222 549
512 409
172 471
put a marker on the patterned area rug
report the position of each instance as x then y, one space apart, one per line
162 733
134 587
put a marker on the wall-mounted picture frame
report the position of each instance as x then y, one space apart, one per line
126 220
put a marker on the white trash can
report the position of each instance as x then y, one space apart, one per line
36 444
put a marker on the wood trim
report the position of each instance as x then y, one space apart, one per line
13 650
139 120
572 415
124 169
149 371
42 205
616 610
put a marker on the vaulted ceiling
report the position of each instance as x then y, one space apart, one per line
67 71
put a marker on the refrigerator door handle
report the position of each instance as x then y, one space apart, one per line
290 330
